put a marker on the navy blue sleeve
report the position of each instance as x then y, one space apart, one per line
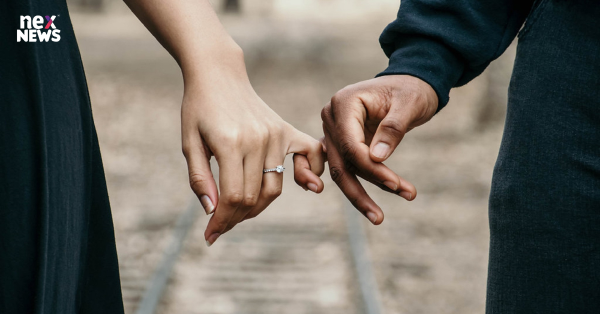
447 43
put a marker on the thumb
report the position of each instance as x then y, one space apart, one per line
389 133
201 179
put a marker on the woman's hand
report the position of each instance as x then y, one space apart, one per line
222 116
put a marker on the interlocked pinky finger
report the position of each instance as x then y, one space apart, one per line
303 175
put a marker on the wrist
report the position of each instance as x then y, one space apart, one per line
213 63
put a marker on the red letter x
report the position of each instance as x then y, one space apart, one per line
50 21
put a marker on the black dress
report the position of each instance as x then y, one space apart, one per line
57 247
545 198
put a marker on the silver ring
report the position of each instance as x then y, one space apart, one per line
278 169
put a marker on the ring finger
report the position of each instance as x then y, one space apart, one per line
272 185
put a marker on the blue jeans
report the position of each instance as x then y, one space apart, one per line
545 197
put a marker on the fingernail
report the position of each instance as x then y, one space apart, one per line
211 240
407 195
313 187
381 150
372 217
391 185
207 204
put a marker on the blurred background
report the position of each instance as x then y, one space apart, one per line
429 255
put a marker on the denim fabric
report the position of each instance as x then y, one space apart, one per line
545 197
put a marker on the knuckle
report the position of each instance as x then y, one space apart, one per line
348 151
234 199
341 96
259 135
393 127
198 181
326 112
276 127
261 132
251 215
336 99
274 192
274 131
337 174
250 200
229 138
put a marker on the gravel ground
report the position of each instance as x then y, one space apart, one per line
430 255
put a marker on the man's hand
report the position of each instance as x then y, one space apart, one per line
363 125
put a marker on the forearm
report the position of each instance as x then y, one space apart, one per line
222 116
448 43
192 33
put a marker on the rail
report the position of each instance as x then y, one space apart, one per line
356 238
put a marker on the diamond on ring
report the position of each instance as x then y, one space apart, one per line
278 169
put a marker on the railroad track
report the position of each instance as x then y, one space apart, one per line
273 265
